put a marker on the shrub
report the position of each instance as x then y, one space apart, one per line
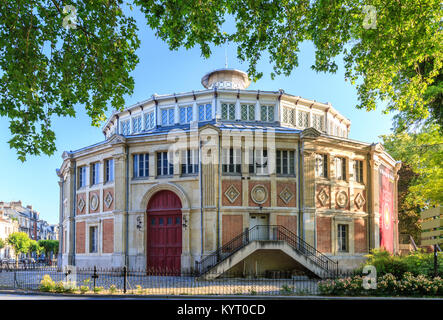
47 284
140 290
286 290
418 262
84 289
112 289
98 289
387 285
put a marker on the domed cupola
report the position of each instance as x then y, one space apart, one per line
226 79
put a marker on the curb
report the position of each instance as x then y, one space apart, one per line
206 297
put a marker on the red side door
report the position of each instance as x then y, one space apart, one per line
164 236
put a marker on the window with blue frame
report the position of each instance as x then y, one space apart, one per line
185 114
228 111
164 166
124 127
141 165
189 161
95 176
109 164
204 112
149 120
168 117
267 113
82 177
137 124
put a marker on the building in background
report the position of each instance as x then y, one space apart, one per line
28 220
8 225
182 181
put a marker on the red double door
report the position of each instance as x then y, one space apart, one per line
164 247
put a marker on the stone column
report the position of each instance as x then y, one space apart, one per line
374 203
70 184
396 232
309 196
120 212
60 220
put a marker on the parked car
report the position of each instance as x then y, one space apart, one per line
27 260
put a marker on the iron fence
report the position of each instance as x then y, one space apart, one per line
156 282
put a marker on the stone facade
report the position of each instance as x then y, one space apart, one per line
218 201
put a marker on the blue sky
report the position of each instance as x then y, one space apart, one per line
162 71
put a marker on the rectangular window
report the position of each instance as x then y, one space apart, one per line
164 166
303 119
125 126
318 122
258 161
288 115
109 170
167 117
285 162
358 171
267 113
228 111
149 120
231 160
82 177
204 112
189 161
136 124
141 165
321 165
342 238
93 240
95 176
185 114
248 112
340 168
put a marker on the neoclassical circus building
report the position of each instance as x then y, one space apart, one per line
185 181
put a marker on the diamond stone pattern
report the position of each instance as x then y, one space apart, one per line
359 200
286 195
232 193
108 200
81 204
323 197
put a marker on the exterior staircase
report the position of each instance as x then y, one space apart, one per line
266 237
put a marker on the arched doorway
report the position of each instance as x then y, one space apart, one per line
164 232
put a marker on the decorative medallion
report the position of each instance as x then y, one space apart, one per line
81 204
108 200
359 200
94 202
259 194
323 197
140 223
232 193
341 199
286 195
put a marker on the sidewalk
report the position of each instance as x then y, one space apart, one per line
192 297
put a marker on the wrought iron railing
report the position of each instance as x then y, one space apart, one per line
267 233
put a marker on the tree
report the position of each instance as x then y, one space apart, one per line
35 247
20 242
47 69
49 247
392 50
423 152
408 211
2 243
